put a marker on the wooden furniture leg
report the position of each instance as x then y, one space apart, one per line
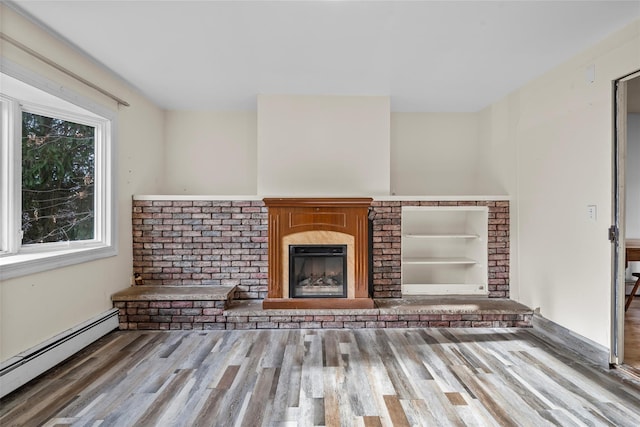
633 291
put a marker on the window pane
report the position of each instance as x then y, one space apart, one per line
58 159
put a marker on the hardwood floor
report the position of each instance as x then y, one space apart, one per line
367 377
632 335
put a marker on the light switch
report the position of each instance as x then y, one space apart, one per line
592 212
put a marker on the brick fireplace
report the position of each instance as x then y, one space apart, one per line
191 240
317 225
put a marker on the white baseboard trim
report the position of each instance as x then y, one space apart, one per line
560 336
27 365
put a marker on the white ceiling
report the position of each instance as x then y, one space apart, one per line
426 55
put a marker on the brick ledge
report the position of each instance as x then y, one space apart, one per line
174 293
154 313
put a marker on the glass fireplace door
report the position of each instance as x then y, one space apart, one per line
317 271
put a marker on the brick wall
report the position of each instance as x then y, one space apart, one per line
225 243
206 315
202 243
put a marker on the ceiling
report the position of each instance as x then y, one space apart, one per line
440 56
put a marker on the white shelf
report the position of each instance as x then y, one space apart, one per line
442 236
444 250
443 289
436 261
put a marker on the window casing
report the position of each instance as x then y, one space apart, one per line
17 259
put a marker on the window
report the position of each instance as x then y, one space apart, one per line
55 176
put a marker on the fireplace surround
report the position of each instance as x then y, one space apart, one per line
318 223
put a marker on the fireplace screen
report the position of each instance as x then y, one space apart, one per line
317 271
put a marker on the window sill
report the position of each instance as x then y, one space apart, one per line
22 264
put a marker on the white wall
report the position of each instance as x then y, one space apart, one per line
37 307
560 127
438 154
209 152
323 145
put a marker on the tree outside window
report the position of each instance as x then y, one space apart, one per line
58 172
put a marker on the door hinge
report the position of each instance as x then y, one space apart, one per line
613 233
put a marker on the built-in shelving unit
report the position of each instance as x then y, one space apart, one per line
444 250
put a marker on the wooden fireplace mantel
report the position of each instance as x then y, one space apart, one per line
288 216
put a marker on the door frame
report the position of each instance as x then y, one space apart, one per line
617 230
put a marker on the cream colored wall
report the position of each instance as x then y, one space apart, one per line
559 128
209 152
36 307
438 154
323 145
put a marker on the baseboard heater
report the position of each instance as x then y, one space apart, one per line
27 365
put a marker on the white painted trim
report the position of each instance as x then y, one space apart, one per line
161 197
20 261
445 208
557 335
196 197
448 198
36 80
29 263
10 169
27 365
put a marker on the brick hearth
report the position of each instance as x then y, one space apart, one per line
213 307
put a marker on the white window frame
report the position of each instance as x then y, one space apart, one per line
17 259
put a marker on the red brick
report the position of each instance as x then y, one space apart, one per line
376 324
235 319
440 324
289 325
418 324
332 325
397 324
160 304
181 304
311 325
280 319
209 319
182 319
354 325
366 318
266 325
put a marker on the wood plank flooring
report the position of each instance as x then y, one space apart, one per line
368 377
632 335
